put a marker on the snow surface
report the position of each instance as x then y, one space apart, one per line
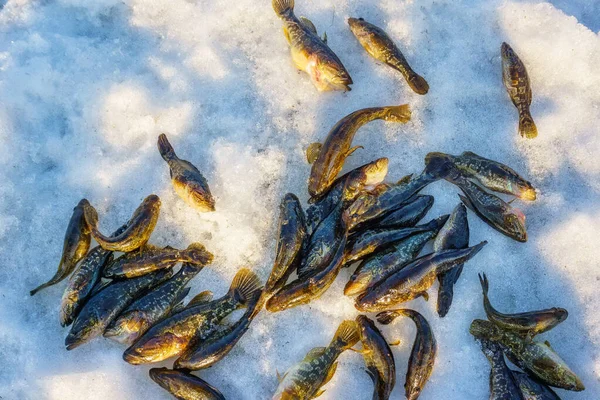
87 86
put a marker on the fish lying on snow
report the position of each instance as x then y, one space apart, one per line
532 389
188 182
382 48
310 53
75 246
408 214
184 386
503 385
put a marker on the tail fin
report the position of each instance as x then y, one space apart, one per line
347 334
283 7
197 254
164 147
387 317
418 84
400 114
244 284
527 127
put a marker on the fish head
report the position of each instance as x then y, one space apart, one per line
197 196
365 327
358 26
82 331
127 328
167 379
560 314
527 192
151 203
328 74
375 172
507 52
515 223
155 349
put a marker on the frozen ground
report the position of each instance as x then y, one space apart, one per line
86 89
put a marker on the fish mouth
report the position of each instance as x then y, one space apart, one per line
528 194
132 358
376 172
506 50
72 342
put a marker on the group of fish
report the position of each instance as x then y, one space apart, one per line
512 335
312 54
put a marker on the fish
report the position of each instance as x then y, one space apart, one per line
381 47
75 246
310 53
413 280
409 214
107 304
139 227
422 355
516 82
503 385
528 323
380 265
454 235
188 181
368 242
304 290
172 335
184 386
305 380
152 307
328 158
151 258
537 358
291 238
210 351
532 389
378 357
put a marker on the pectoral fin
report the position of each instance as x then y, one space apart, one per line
286 33
395 343
320 392
308 25
353 149
424 295
325 37
313 151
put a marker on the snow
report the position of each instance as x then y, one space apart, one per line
86 87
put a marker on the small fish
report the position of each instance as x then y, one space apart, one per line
152 258
172 335
304 290
518 87
422 355
139 227
453 236
75 247
539 359
408 214
380 265
368 242
532 389
413 280
107 304
528 323
310 53
503 385
152 307
382 48
305 380
184 386
188 182
208 352
291 238
378 357
328 158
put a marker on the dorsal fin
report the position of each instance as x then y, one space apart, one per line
309 25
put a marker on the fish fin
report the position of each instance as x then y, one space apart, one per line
467 202
313 151
527 128
386 317
176 309
330 373
395 343
399 113
324 37
352 150
308 25
424 295
361 351
314 353
347 334
169 247
100 285
485 284
319 393
181 295
201 298
283 7
404 180
244 284
286 34
511 201
279 376
547 343
164 147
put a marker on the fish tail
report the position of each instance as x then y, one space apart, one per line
244 284
527 127
399 113
197 254
417 83
387 317
445 296
42 286
347 334
164 147
283 8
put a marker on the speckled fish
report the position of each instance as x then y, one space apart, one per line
345 189
188 182
139 227
408 214
152 307
528 323
75 246
305 380
172 335
537 358
210 351
184 386
382 48
304 290
378 357
328 158
518 87
151 258
291 237
532 389
368 242
380 265
107 304
413 280
454 235
422 355
503 385
311 53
